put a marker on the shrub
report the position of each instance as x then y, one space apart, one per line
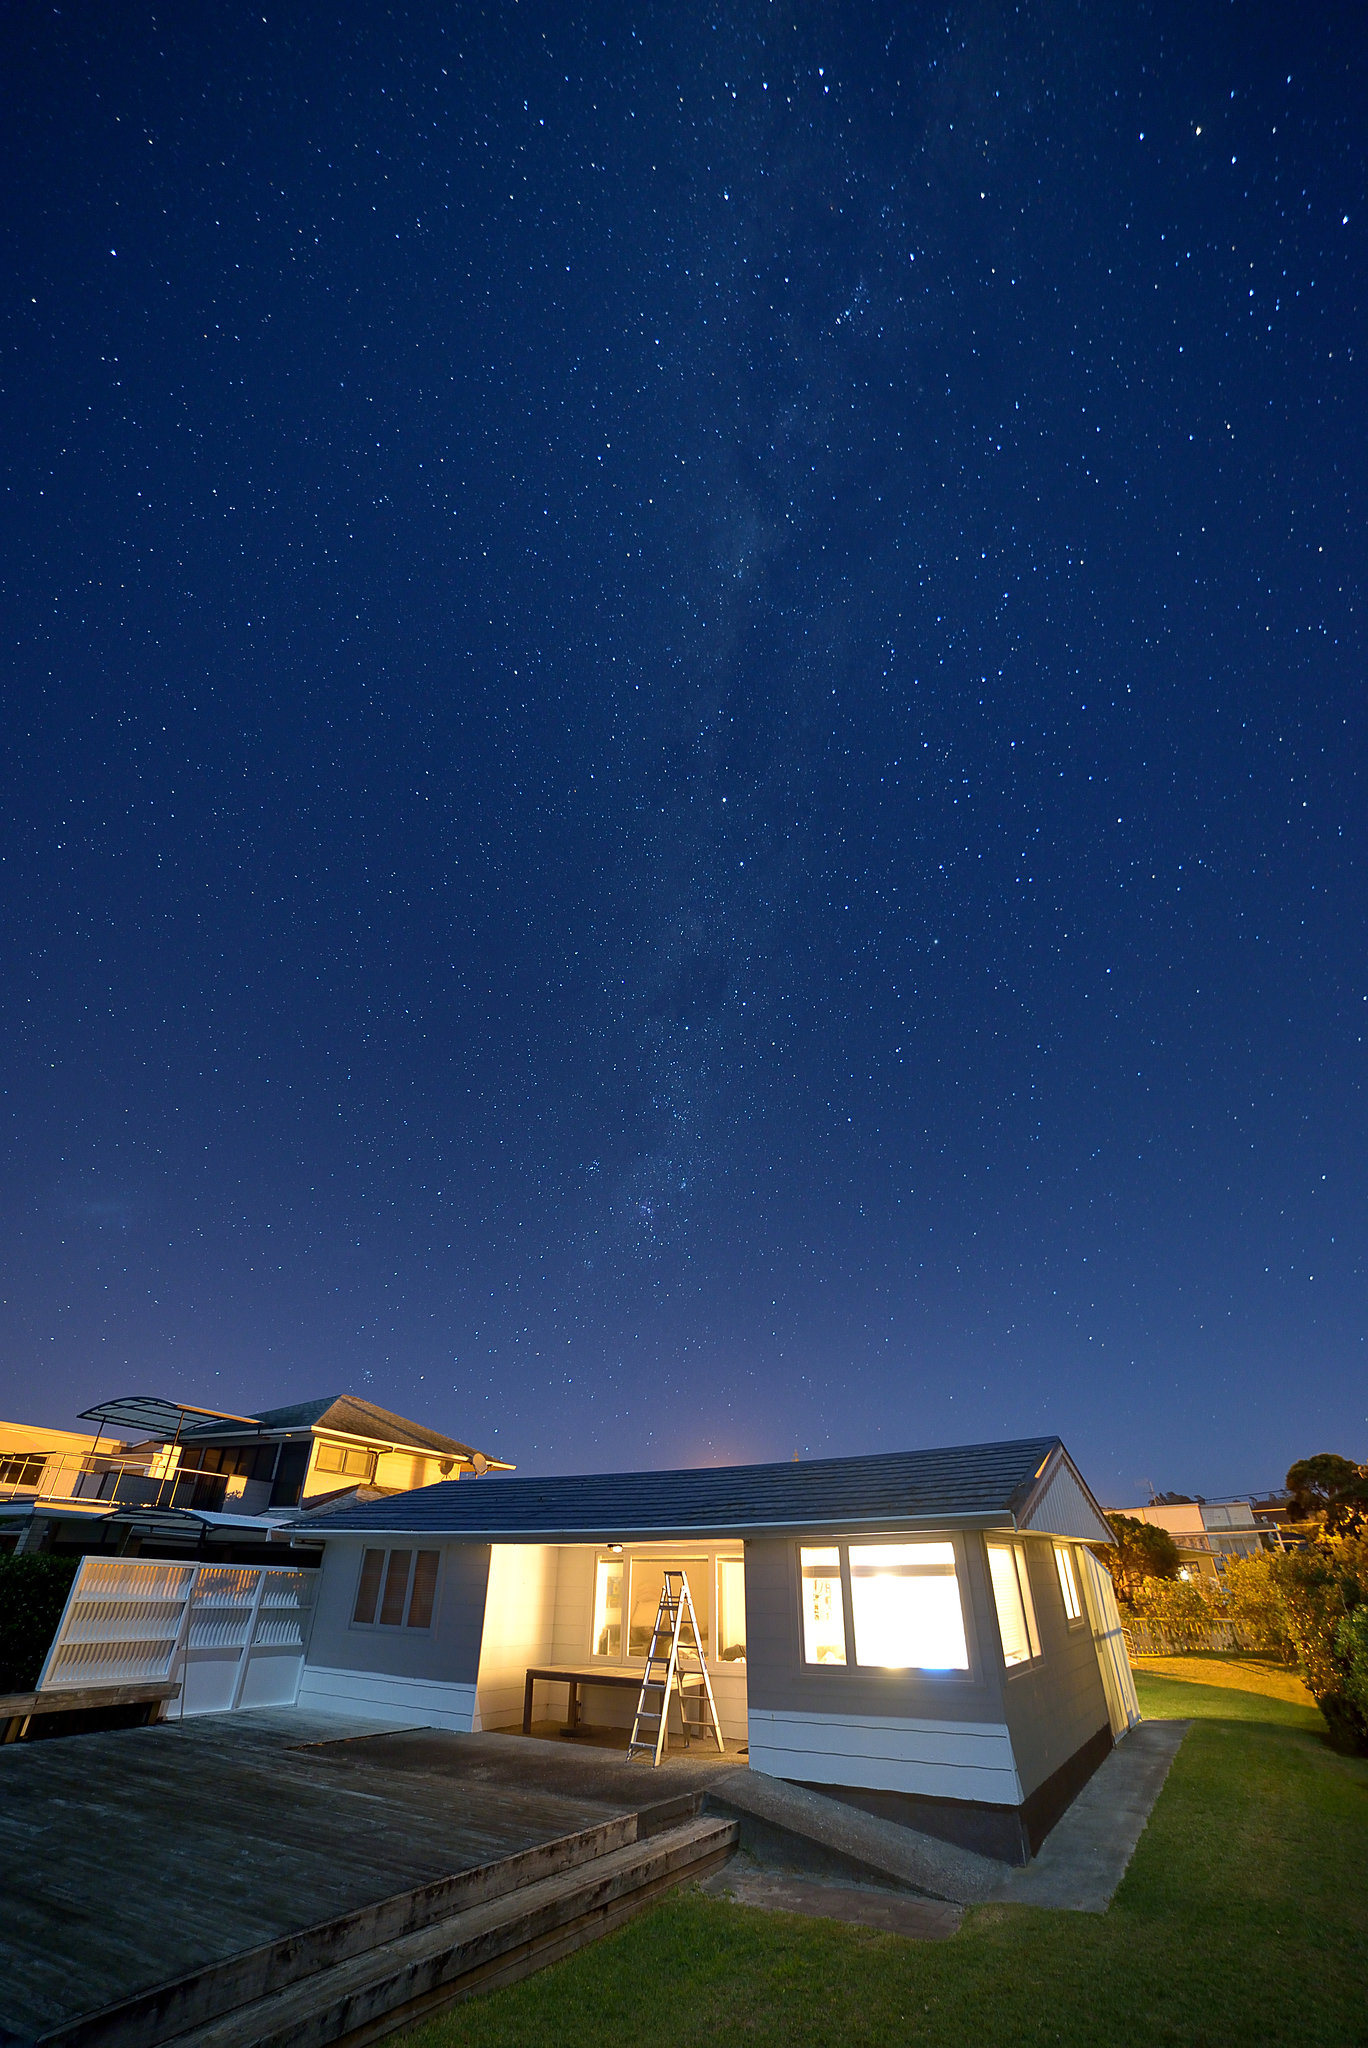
1351 1648
1253 1601
33 1592
1179 1606
1324 1592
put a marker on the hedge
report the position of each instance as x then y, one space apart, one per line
33 1592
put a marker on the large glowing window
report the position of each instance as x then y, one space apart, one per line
905 1605
731 1610
1012 1595
823 1606
608 1576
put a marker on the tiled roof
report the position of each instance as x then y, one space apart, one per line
349 1416
968 1482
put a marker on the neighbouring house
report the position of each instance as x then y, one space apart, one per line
923 1634
34 1459
181 1481
1208 1533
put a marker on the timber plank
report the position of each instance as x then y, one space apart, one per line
494 1942
136 1856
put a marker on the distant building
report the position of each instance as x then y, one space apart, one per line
1208 1533
180 1481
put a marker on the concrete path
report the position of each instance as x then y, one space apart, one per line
1084 1857
744 1884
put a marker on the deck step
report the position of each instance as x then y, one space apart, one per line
183 2003
361 1998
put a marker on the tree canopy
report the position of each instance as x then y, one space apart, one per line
1330 1488
1139 1551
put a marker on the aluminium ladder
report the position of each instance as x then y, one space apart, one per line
666 1674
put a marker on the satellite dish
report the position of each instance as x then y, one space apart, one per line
481 1464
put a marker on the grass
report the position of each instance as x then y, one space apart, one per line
1243 1918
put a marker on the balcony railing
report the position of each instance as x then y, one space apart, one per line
90 1479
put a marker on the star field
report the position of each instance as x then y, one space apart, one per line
684 720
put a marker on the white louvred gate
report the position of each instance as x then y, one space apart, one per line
1123 1707
231 1635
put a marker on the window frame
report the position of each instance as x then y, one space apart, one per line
676 1560
704 1566
1064 1557
365 1476
608 1558
901 1675
721 1559
403 1627
1020 1554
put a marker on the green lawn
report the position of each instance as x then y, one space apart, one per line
1243 1920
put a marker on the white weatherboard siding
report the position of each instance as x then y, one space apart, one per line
1065 1510
401 1702
519 1621
942 1759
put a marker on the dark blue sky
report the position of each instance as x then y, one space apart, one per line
684 710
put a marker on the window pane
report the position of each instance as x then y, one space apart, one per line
905 1604
368 1592
396 1586
1024 1581
424 1586
1068 1584
731 1610
648 1576
607 1638
823 1606
357 1464
328 1458
1012 1593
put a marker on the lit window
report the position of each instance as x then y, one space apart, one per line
22 1468
400 1585
353 1462
1015 1612
648 1579
731 1610
905 1604
823 1607
1068 1584
608 1607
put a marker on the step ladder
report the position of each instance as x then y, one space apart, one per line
674 1664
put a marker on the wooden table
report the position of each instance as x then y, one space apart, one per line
575 1676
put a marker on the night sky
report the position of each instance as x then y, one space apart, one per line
683 724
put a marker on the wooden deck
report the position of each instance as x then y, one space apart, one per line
133 1856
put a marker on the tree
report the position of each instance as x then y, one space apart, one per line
1331 1489
1140 1551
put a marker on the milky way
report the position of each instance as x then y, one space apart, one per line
684 711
